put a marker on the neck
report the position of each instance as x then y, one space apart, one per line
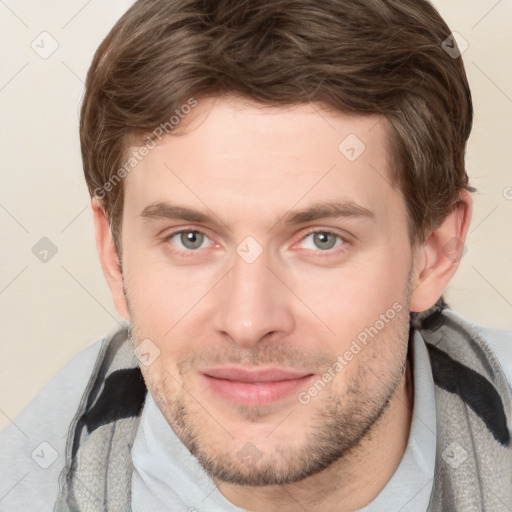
353 481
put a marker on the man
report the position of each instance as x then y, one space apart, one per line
280 199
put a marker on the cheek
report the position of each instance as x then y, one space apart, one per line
163 299
352 297
152 282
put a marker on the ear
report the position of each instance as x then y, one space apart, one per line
109 258
437 259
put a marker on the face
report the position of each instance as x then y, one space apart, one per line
266 261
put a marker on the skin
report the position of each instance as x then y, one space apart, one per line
299 304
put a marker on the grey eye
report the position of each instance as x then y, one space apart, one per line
191 239
323 240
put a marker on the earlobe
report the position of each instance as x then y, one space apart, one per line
437 259
109 258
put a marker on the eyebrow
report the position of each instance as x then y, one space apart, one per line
323 210
328 210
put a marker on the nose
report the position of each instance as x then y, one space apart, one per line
253 303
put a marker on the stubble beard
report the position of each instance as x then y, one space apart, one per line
338 425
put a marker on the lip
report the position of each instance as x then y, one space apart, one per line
255 387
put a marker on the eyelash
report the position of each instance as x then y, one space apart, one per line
328 252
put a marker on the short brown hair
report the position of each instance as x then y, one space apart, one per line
382 57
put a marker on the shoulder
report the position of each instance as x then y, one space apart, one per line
32 446
499 341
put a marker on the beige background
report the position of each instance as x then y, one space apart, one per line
50 311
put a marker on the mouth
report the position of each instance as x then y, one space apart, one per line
254 388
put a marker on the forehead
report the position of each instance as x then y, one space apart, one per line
236 157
